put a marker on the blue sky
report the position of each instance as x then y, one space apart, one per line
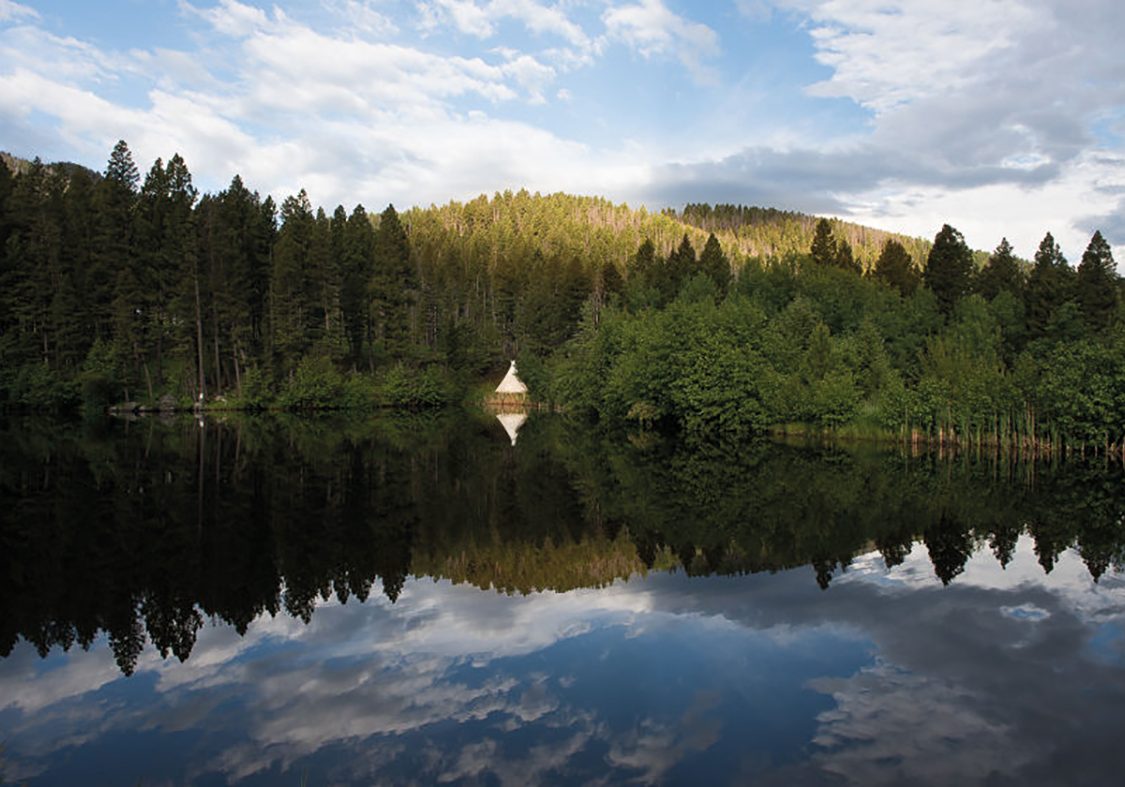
1003 117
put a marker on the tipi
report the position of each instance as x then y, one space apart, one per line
511 384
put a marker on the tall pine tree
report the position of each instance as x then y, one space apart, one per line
823 250
949 268
1049 286
1001 273
1097 284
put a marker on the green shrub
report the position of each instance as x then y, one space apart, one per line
315 385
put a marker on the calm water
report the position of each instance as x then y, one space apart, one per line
295 601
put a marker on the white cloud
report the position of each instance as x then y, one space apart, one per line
364 18
10 10
234 18
653 30
466 16
375 122
883 54
480 20
982 115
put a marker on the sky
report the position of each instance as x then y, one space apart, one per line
1000 117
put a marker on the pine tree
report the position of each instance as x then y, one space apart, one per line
356 269
823 251
289 307
1097 285
114 202
949 268
895 267
1001 274
845 259
1049 286
393 284
677 269
715 264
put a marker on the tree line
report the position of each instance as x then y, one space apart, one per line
1007 353
116 286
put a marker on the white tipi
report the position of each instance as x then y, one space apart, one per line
511 384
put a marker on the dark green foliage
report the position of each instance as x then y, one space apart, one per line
823 250
357 265
1097 285
1002 273
1049 286
392 285
845 260
714 263
949 268
895 267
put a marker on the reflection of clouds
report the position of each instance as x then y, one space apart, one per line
957 666
21 685
1069 581
396 678
653 748
993 674
893 727
354 672
475 760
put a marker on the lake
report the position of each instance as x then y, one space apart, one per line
418 600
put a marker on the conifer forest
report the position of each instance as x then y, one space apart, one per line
122 287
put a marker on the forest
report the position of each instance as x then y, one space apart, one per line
715 319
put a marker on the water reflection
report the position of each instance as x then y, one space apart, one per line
512 423
991 649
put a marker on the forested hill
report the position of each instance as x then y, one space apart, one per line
518 223
771 233
121 286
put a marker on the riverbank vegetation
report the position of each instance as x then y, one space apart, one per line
715 319
1010 354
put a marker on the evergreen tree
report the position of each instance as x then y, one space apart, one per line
1001 273
393 285
1049 286
356 270
115 199
949 268
1097 284
677 269
895 267
715 264
645 262
823 250
845 259
289 306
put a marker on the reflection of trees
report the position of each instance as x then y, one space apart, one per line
950 547
145 530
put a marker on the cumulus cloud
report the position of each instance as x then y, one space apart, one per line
377 121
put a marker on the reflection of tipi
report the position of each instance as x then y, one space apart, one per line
511 384
512 423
